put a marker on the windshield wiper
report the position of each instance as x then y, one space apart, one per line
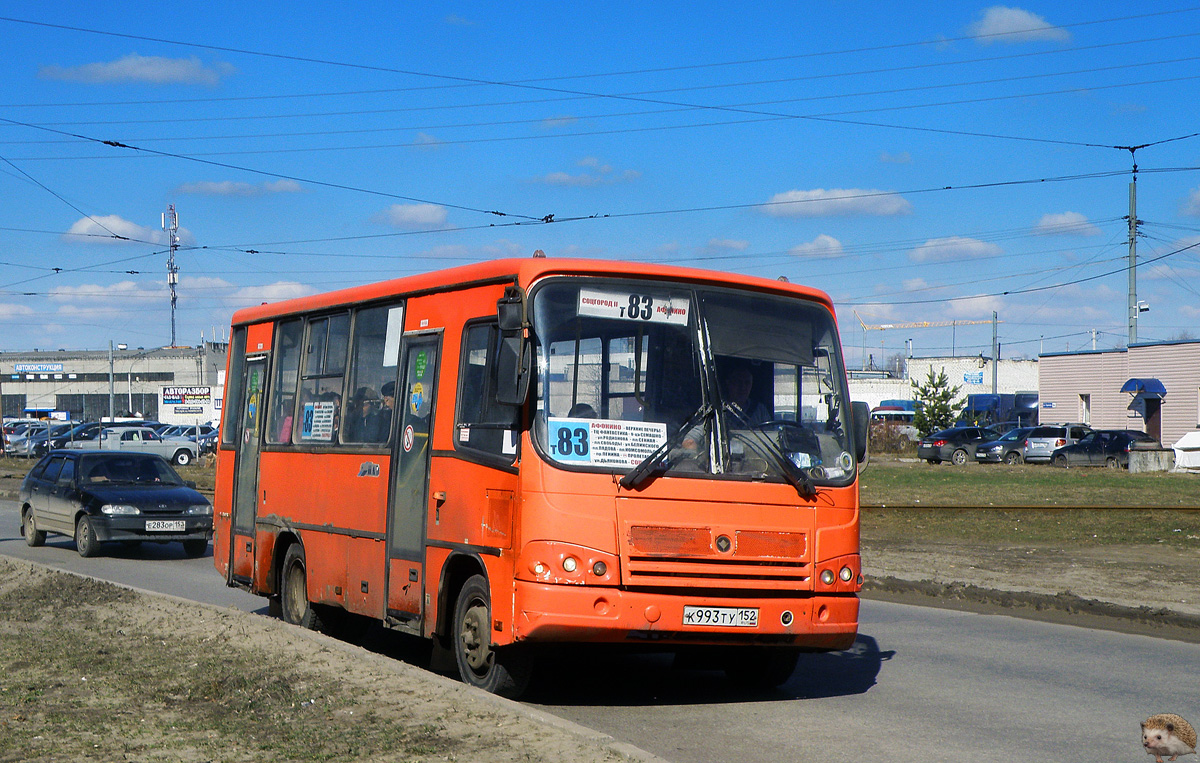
649 466
796 476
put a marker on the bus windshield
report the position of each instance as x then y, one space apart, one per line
648 379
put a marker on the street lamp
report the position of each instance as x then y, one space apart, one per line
111 391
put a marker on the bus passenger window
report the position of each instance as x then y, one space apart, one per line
320 409
482 423
372 376
288 339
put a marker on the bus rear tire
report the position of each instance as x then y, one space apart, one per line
761 667
295 607
505 671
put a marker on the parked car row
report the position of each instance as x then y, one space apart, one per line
100 496
1059 444
178 443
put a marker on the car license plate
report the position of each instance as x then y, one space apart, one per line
166 525
731 617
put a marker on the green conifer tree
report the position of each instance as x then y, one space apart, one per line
937 403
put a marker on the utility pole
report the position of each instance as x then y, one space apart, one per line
170 224
995 351
1133 223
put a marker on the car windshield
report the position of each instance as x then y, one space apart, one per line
690 381
129 469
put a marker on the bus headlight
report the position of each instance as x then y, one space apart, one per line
845 574
827 577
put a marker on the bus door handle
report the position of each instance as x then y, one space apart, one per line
439 498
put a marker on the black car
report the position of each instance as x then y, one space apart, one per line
956 445
112 496
1103 447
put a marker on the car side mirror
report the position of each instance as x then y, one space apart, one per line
190 484
860 420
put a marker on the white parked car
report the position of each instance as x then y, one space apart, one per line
140 440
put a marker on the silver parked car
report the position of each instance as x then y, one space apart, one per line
140 440
1047 438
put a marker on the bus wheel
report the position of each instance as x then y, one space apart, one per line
504 671
761 667
293 595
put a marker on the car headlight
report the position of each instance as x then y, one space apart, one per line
199 508
119 509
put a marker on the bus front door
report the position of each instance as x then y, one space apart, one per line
410 481
245 488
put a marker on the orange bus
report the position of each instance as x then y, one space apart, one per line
525 452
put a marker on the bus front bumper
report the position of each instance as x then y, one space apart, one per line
564 613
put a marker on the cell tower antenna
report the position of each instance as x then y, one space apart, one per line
170 224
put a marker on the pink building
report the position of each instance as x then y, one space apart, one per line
1154 388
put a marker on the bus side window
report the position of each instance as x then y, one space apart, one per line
320 410
288 342
372 376
482 423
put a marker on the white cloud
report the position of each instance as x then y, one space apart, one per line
413 216
154 70
1012 25
1066 224
901 158
551 123
1191 207
727 244
234 188
272 292
837 201
103 229
974 308
595 173
427 141
9 311
914 284
953 248
821 246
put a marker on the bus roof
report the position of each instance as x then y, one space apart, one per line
522 271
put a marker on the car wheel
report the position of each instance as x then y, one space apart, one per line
1061 461
1012 458
958 457
85 538
1112 463
294 605
194 549
33 536
182 457
504 671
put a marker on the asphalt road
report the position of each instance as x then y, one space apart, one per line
921 684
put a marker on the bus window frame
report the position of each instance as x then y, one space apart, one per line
464 450
235 382
305 376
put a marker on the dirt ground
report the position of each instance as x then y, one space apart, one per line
216 685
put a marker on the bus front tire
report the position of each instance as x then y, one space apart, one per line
505 671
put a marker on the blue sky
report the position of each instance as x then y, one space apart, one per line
919 161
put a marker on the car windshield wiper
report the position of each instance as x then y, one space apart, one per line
652 465
796 476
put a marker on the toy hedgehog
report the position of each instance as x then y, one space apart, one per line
1168 734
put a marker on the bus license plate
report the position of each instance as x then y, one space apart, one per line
165 525
730 617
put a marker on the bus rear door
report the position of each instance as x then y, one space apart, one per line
406 528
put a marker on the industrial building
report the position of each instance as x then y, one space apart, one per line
178 385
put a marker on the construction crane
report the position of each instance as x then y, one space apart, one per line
909 325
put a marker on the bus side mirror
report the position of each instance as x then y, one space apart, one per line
514 356
860 419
